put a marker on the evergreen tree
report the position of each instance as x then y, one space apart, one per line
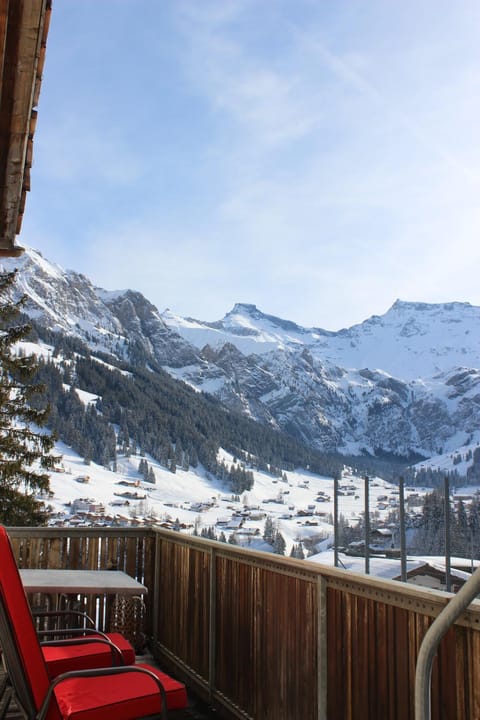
193 457
269 531
151 476
146 470
460 532
178 453
279 544
297 552
208 533
25 453
431 535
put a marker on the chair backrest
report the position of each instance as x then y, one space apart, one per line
18 637
14 665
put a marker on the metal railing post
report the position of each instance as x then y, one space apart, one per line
403 539
448 552
367 525
335 520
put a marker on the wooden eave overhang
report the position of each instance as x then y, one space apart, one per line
23 34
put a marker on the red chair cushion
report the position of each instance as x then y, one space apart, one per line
121 697
63 658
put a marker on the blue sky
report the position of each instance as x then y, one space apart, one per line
319 158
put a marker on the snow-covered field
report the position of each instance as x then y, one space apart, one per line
301 507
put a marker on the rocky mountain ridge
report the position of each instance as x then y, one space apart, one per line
404 383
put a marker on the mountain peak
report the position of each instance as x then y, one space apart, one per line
244 309
402 305
264 322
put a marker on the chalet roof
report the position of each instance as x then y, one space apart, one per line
383 531
23 34
438 572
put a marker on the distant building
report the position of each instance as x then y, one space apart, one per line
435 576
86 505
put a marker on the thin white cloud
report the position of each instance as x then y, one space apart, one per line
79 149
268 103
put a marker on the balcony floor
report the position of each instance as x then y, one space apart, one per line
197 709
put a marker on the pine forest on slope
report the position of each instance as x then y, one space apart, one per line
142 410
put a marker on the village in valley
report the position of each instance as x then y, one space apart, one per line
290 514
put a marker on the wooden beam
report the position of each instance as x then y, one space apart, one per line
3 34
14 251
23 57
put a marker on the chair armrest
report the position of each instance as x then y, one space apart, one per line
96 672
65 632
63 613
114 649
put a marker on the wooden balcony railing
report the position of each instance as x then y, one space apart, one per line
274 638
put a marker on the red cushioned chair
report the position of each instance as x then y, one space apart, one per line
123 692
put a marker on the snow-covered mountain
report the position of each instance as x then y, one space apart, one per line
411 340
405 382
122 323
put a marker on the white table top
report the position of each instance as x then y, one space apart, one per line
81 581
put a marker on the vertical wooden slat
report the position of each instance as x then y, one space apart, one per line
381 641
414 646
463 689
130 562
154 599
83 559
364 642
322 649
17 550
32 557
447 669
212 635
349 642
55 553
103 553
122 553
402 686
113 559
74 554
474 674
148 581
92 557
334 639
